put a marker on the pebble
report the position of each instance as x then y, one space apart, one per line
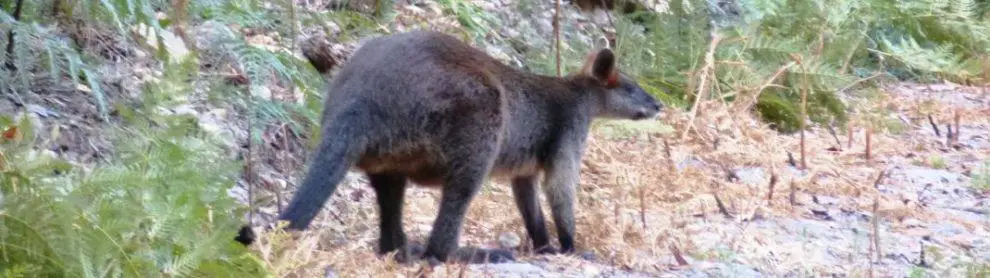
509 240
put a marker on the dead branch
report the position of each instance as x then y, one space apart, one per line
793 195
670 158
10 36
677 255
876 183
849 135
955 119
721 206
876 229
556 33
861 80
759 91
642 206
931 121
804 113
831 130
706 71
773 182
869 133
949 134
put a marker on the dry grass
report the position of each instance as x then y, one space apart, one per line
634 204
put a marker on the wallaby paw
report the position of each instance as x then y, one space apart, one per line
412 254
546 250
589 256
245 235
474 255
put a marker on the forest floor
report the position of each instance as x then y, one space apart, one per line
917 206
729 199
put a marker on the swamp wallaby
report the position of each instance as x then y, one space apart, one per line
426 108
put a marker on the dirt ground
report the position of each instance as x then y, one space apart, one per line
915 206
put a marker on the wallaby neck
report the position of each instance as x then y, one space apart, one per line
572 91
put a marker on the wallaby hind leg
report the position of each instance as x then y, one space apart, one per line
528 202
471 155
390 192
458 192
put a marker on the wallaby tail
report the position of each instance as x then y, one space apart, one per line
342 144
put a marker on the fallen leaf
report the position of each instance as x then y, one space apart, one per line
10 133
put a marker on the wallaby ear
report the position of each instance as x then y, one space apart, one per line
601 66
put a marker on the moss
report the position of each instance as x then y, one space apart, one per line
783 115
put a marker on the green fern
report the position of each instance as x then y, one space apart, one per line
40 49
158 208
832 44
473 18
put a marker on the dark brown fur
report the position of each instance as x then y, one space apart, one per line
426 108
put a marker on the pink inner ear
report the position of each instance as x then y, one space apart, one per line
613 80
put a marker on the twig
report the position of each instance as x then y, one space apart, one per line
10 36
931 121
180 10
861 80
949 134
804 113
876 229
721 206
921 257
848 59
831 130
955 118
793 195
876 183
759 91
677 255
642 206
670 158
773 182
869 133
556 33
849 135
703 79
609 37
248 162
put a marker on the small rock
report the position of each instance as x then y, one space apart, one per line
947 229
913 223
589 256
84 88
512 268
822 214
185 109
261 92
826 200
41 111
752 175
591 270
509 240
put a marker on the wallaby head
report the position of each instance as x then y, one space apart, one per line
617 95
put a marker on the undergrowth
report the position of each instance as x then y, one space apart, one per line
159 208
777 50
981 179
